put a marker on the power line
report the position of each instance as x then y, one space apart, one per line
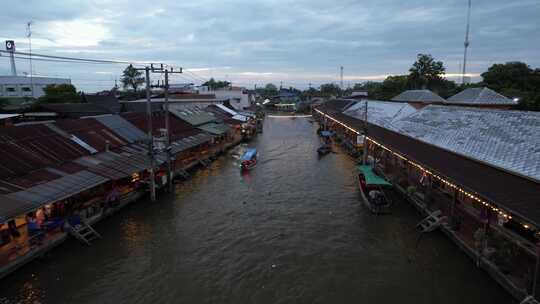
196 76
79 59
54 60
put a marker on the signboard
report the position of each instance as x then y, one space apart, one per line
359 140
10 45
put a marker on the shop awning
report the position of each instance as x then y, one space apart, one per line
371 177
58 189
10 208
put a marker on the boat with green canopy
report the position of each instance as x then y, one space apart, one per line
372 189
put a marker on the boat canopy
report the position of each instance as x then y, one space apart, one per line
249 154
371 177
327 133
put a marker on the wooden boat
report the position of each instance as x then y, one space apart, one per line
249 159
324 149
372 189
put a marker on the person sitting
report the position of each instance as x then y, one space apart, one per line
12 226
376 196
5 236
34 229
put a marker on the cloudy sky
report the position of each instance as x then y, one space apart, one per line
253 42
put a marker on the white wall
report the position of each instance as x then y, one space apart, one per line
237 98
21 86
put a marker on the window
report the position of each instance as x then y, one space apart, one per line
26 89
10 89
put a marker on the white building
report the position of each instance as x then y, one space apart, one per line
238 97
21 86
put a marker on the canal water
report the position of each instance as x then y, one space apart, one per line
290 231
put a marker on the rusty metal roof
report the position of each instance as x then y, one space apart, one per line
91 131
31 147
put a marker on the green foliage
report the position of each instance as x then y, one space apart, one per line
131 78
309 93
212 84
330 90
426 73
515 80
3 102
60 93
270 90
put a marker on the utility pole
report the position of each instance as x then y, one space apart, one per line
29 35
341 77
466 44
150 136
150 132
165 86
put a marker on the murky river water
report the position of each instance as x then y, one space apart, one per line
292 231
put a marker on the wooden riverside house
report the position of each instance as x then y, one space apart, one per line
479 167
70 173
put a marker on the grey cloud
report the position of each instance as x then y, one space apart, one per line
296 38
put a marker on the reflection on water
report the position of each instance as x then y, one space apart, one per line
291 230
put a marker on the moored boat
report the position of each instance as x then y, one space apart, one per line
249 159
372 189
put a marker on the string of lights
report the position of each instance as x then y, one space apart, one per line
474 197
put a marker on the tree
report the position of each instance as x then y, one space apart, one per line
330 90
393 86
3 102
214 85
515 80
132 78
426 73
60 93
516 75
309 93
270 90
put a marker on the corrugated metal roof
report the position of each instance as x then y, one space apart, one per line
113 167
31 147
10 208
480 96
122 128
381 113
58 189
195 116
424 96
215 128
74 110
91 132
178 127
506 139
6 116
516 194
109 101
190 142
224 108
